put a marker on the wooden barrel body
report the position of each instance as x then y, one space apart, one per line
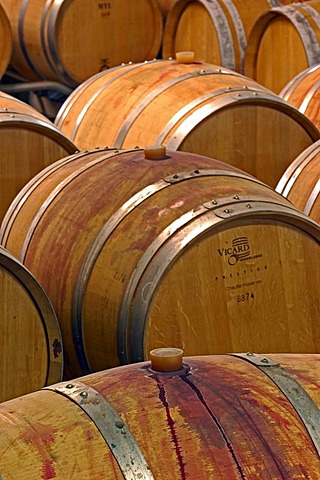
165 7
5 41
28 143
303 92
31 346
197 107
218 417
141 254
216 31
283 42
301 182
13 105
69 41
288 2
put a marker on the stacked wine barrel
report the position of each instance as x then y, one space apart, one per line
137 252
283 42
68 41
29 143
216 112
301 182
6 41
302 91
215 417
216 31
159 258
31 345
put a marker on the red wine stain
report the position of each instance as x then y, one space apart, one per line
171 424
219 426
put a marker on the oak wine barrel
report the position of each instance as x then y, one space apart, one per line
288 2
31 353
282 43
165 7
5 41
216 417
29 142
216 112
12 105
137 253
71 40
215 30
303 92
301 182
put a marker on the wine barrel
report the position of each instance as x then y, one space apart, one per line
288 2
5 41
217 417
143 253
216 31
165 7
69 41
282 43
301 182
12 105
31 346
29 142
303 93
195 107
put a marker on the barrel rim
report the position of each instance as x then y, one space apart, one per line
258 30
226 46
48 315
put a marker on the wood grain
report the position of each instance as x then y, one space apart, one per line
6 42
31 346
197 107
209 263
303 93
29 142
283 42
225 419
216 31
301 182
48 43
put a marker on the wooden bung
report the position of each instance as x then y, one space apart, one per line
166 359
185 57
155 152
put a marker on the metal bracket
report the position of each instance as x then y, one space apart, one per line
255 205
256 359
111 426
